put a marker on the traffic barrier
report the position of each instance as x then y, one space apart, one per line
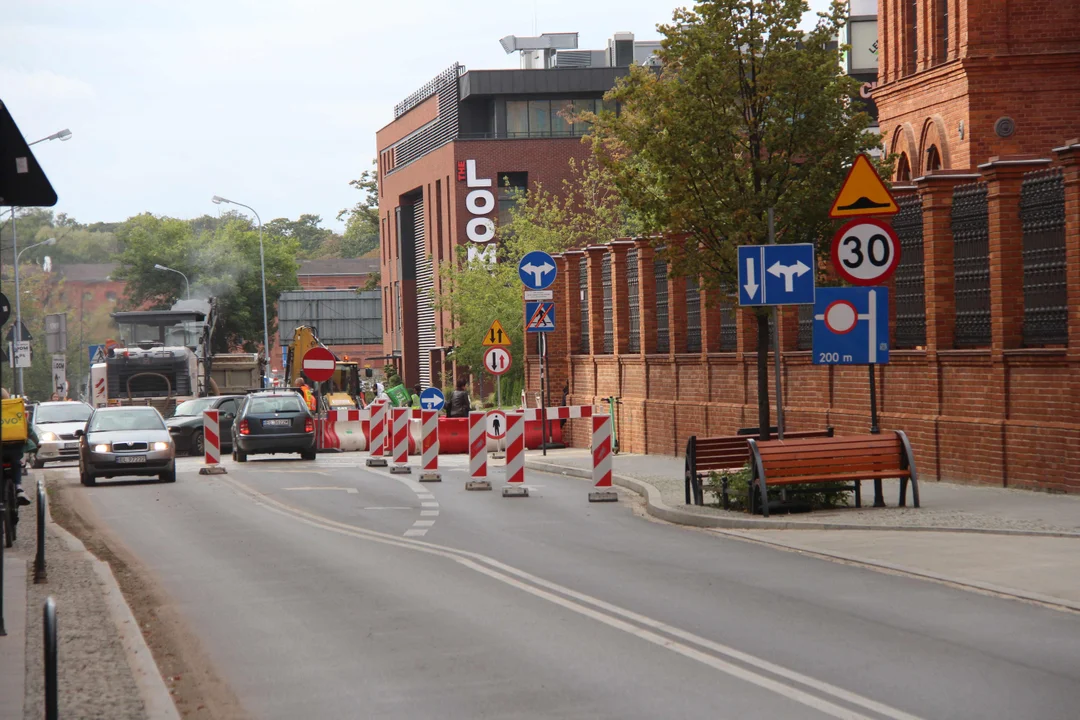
478 452
378 435
515 456
343 430
566 412
211 444
429 441
401 441
601 459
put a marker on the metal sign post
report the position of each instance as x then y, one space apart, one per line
776 347
542 357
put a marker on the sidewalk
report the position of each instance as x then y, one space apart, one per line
1014 542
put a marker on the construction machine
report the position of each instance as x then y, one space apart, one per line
341 391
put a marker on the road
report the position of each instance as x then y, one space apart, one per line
328 590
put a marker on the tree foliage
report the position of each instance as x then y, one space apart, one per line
361 234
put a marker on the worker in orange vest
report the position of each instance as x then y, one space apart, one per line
309 397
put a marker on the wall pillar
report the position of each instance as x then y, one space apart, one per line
595 255
620 297
676 315
647 295
573 301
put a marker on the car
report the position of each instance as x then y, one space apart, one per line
272 421
54 426
121 441
186 424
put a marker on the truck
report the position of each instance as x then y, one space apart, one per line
341 391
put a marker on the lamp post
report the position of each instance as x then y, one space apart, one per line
188 284
18 312
217 200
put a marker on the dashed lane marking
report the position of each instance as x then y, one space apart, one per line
351 491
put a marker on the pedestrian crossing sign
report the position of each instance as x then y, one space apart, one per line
539 317
496 336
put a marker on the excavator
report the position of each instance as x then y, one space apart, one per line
341 391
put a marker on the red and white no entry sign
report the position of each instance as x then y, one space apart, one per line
865 251
318 364
497 360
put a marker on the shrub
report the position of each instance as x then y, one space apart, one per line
819 496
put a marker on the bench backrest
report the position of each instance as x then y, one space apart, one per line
829 456
734 451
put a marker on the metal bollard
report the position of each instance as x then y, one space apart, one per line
52 709
3 631
39 558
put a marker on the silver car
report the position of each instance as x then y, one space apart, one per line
55 424
121 441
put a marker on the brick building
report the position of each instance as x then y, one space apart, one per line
336 273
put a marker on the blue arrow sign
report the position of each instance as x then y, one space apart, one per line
537 270
539 317
776 274
432 399
851 326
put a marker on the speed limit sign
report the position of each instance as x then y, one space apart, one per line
865 251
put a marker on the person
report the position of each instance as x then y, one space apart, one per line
565 397
417 389
460 404
14 455
55 397
309 397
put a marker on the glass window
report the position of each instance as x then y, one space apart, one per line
610 106
193 407
128 419
581 127
67 412
229 406
517 118
539 117
561 113
275 405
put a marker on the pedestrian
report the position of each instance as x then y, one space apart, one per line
417 389
565 398
460 404
14 455
309 397
55 397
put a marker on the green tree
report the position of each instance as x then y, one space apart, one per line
305 231
747 113
362 219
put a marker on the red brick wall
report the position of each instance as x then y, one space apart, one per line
332 282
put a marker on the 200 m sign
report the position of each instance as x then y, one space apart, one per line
865 251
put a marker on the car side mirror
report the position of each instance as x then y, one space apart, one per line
79 433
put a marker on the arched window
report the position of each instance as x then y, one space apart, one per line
903 169
933 159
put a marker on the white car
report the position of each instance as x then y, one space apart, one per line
55 424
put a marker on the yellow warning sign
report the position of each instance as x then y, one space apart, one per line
496 335
863 193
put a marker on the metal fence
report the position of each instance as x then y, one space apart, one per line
633 293
663 343
340 317
1042 215
805 339
583 289
729 328
971 264
693 316
605 281
910 277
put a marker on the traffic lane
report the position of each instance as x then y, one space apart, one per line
303 620
978 656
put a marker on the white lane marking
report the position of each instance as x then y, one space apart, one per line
351 491
389 508
425 496
423 493
423 523
414 532
429 504
517 578
429 513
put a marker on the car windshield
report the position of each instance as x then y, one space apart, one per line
276 404
68 412
126 420
193 407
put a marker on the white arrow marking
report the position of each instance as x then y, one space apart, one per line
538 273
431 403
789 272
751 286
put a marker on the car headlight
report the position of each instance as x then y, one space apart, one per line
48 437
161 446
101 448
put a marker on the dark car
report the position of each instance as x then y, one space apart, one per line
186 424
273 422
125 441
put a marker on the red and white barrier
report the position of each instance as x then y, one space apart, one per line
429 446
601 459
378 435
401 440
211 444
515 449
569 412
478 452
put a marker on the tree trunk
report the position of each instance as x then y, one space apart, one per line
763 374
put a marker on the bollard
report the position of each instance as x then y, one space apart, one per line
401 441
3 630
39 558
211 444
601 455
478 452
378 435
429 446
515 456
52 709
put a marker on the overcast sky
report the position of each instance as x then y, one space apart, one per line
273 103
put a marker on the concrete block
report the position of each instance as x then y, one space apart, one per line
515 491
213 470
603 496
401 470
430 477
477 485
376 462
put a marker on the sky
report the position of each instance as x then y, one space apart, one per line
273 103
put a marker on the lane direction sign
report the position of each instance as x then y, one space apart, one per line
537 270
318 364
866 251
539 317
863 193
497 360
776 274
496 335
851 326
432 399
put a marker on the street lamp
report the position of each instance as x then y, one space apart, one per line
217 200
63 136
162 267
18 311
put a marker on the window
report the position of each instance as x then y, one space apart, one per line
903 169
660 276
693 316
561 113
933 159
229 406
539 117
512 187
583 290
517 118
943 29
913 23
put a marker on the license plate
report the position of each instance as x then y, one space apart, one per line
277 423
130 459
71 446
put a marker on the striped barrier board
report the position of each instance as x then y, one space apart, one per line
515 456
378 435
478 452
570 412
429 446
211 444
601 460
401 441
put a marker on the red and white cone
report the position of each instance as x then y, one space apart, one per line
478 452
401 441
429 446
211 445
378 435
601 458
515 456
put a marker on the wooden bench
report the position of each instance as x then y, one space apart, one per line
849 458
703 455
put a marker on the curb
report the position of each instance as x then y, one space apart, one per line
655 506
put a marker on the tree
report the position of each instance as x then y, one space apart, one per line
747 113
373 281
362 219
305 231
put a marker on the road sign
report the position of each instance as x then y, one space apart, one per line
539 294
22 354
776 274
539 317
59 372
96 353
497 360
24 334
56 332
318 364
851 326
432 399
496 335
865 251
5 309
496 424
537 270
863 193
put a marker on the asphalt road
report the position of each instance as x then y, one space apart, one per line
327 590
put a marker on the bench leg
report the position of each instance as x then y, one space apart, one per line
858 493
724 500
879 494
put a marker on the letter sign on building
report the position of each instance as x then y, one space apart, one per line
479 202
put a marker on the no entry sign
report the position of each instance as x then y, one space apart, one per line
318 364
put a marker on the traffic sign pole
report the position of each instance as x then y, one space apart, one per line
776 346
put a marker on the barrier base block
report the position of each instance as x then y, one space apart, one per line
430 477
213 470
499 455
478 485
376 462
515 491
401 470
603 496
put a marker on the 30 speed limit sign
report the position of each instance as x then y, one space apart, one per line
865 251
